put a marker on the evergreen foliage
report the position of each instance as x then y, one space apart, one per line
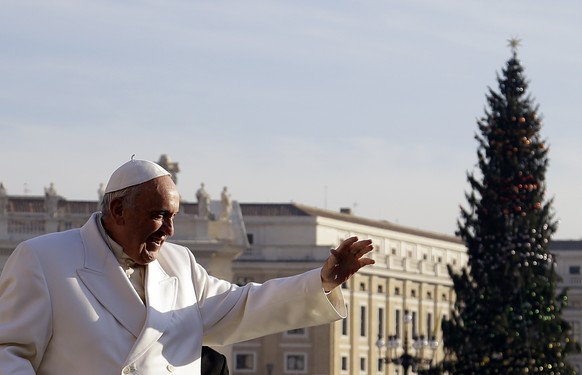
507 314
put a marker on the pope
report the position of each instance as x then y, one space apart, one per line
115 297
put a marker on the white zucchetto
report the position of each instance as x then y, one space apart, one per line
134 172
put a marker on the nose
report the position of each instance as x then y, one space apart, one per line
168 226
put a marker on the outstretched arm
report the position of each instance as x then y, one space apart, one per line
344 261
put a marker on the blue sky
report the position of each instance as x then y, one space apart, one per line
369 105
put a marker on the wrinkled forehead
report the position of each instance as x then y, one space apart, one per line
160 191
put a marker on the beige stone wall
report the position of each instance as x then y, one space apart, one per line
569 267
410 274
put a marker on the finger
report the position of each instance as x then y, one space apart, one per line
360 246
357 249
347 244
362 243
365 250
366 262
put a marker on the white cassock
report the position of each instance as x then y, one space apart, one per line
67 307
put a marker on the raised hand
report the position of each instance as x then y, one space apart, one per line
344 261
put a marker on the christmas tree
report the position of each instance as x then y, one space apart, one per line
507 314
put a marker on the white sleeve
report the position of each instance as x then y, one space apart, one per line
25 313
242 313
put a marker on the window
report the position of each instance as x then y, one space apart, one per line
413 293
397 291
393 251
244 362
380 289
299 332
381 322
429 325
362 287
344 363
362 364
363 321
428 295
574 270
296 362
444 297
250 238
397 322
413 322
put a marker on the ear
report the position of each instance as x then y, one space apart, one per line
116 208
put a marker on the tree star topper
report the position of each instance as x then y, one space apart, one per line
514 44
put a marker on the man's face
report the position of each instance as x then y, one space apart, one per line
148 222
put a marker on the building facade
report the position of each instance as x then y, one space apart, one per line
410 275
569 267
405 295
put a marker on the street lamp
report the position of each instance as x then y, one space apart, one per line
406 359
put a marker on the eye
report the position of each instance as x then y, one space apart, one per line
159 215
163 215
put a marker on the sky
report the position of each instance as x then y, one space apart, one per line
368 105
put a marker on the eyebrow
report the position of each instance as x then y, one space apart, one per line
163 212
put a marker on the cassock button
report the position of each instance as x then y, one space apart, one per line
130 368
170 368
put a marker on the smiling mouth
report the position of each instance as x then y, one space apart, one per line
157 241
